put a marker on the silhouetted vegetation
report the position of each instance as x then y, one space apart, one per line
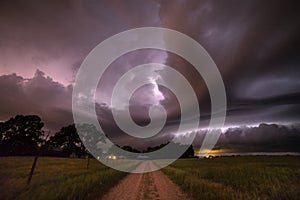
188 151
21 135
24 135
67 141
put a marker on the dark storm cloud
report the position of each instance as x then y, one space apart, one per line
37 95
55 36
255 45
265 137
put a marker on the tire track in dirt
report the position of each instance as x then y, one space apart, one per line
146 186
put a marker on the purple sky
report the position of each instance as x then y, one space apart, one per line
255 45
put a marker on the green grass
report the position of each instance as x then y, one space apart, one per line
249 177
55 178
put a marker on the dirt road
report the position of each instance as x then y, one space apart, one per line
147 186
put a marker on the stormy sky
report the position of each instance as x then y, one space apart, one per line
255 45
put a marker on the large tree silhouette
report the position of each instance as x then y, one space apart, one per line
21 135
68 141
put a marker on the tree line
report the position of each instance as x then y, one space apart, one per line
24 135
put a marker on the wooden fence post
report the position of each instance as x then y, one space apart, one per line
35 161
88 162
32 169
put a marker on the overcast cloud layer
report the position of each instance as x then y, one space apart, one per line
255 45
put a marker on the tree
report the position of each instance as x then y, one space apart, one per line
1 132
93 139
130 149
21 135
189 153
68 141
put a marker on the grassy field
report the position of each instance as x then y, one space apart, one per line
55 178
249 177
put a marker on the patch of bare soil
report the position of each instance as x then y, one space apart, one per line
147 186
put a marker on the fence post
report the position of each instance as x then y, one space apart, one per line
88 162
35 161
32 169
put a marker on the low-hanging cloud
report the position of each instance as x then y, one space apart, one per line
263 138
37 95
255 45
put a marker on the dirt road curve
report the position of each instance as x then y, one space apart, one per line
147 186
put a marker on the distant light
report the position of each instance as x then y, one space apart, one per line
113 157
